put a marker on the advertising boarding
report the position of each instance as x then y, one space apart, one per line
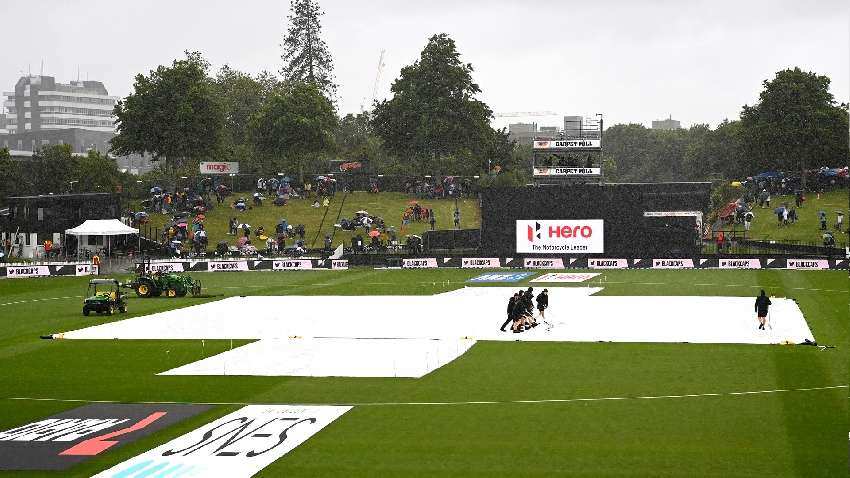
546 236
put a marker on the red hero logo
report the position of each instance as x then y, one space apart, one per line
561 232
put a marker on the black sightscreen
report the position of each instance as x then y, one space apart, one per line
628 233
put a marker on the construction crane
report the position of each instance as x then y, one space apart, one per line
378 74
517 114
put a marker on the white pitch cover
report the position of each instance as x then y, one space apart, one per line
164 267
672 263
739 264
807 264
480 263
227 266
292 264
237 445
27 271
426 263
607 263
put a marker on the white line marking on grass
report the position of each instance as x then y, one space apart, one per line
476 402
41 300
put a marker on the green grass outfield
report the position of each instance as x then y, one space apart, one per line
790 433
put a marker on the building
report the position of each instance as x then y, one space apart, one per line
41 112
667 124
549 132
35 219
522 133
573 126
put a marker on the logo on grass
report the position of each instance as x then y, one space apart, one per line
236 445
65 439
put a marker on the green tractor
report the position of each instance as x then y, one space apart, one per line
104 297
170 284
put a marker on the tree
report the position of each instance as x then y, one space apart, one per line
241 95
173 112
96 172
796 124
294 126
433 112
305 54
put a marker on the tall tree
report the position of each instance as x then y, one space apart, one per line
305 54
294 126
241 95
434 111
173 112
796 124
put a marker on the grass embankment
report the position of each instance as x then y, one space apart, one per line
389 206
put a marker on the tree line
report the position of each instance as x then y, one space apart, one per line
435 122
795 125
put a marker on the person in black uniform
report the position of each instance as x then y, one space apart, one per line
543 303
511 304
762 305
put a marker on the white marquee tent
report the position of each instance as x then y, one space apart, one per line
102 227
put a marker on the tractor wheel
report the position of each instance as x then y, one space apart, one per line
170 293
196 288
110 310
182 293
145 288
86 311
122 309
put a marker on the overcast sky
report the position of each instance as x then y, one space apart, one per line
634 61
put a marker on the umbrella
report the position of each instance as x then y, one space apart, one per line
243 226
779 210
374 233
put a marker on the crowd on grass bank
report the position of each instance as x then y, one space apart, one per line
757 197
185 233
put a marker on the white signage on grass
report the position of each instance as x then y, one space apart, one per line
568 144
237 445
566 277
480 263
339 264
164 267
27 271
546 236
672 263
607 263
227 266
740 264
426 263
564 171
292 264
540 263
219 167
807 264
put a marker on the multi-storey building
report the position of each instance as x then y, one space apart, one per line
41 112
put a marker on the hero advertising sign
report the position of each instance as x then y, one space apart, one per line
546 236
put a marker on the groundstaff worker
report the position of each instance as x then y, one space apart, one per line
543 303
511 304
762 304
